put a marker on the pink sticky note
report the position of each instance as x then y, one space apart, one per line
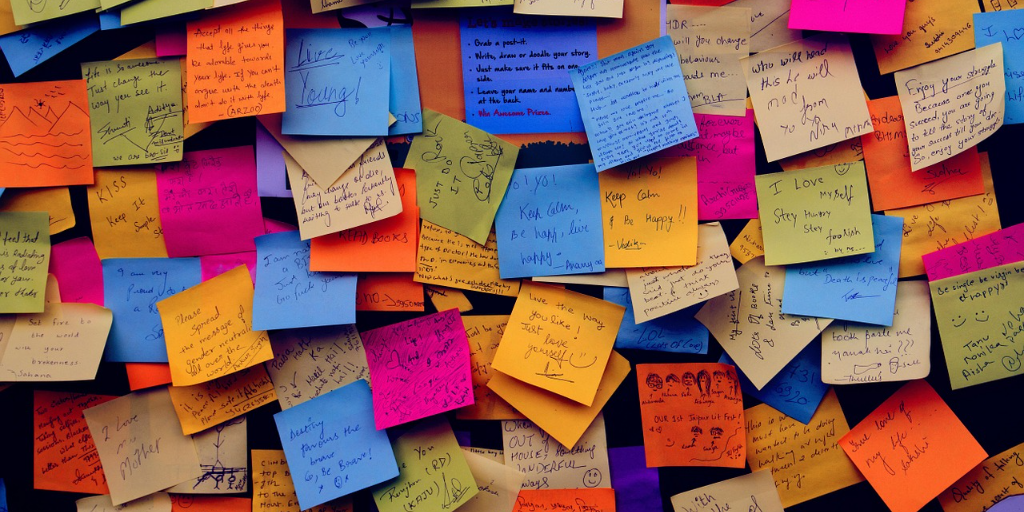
209 204
864 16
170 40
272 226
1003 247
725 166
419 368
77 268
213 265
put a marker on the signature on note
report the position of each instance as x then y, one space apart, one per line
852 295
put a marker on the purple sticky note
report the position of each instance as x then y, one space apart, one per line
636 486
271 174
170 40
462 436
79 273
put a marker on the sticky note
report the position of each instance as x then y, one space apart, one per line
710 41
932 29
247 83
692 414
749 243
850 16
310 362
336 81
214 265
842 152
825 78
515 70
654 292
463 200
34 12
288 295
549 223
752 491
209 322
333 440
612 9
208 404
144 423
55 201
183 502
992 27
223 455
24 259
64 455
446 258
999 248
769 23
532 451
596 500
63 343
415 381
273 490
499 484
853 353
132 287
676 332
124 212
430 460
815 214
156 502
147 375
484 332
146 10
548 347
324 159
404 94
32 46
912 447
649 213
933 95
976 312
637 487
796 390
621 130
271 175
1002 472
45 135
78 271
389 292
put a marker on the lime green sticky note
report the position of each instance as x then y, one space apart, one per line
26 12
981 322
461 174
815 214
135 110
147 10
24 259
433 473
438 4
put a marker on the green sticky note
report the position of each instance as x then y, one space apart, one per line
110 4
24 259
135 111
433 473
981 323
815 214
34 11
461 174
147 10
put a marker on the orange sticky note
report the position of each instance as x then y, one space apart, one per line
208 329
388 245
125 214
65 455
45 136
448 298
484 332
996 478
235 62
449 259
209 404
692 415
912 447
56 202
147 375
388 292
589 500
190 503
887 158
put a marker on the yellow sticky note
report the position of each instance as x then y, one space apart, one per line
35 11
24 259
635 193
208 329
205 405
448 298
125 215
560 341
749 244
55 201
806 461
932 29
484 332
997 477
447 258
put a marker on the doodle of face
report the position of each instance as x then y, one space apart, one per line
689 379
981 316
704 382
959 320
592 478
654 382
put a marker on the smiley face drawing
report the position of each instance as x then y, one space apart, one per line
978 316
592 478
959 321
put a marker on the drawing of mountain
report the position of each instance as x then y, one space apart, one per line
20 124
71 122
45 146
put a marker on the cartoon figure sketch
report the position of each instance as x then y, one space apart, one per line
655 382
704 383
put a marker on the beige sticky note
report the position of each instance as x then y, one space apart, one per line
484 332
488 453
63 343
657 292
499 484
843 152
753 492
996 478
52 289
223 453
749 244
449 259
710 41
202 406
769 24
807 103
448 298
323 158
125 214
932 29
139 439
805 461
156 502
530 450
750 325
310 362
55 201
609 9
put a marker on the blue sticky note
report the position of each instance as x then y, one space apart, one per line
860 288
549 223
271 173
333 447
404 97
3 496
110 20
1010 503
1006 27
796 390
677 332
337 81
634 103
32 46
637 487
515 69
131 289
288 295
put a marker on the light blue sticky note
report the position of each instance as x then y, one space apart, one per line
404 97
677 332
515 71
860 288
110 20
796 390
549 223
1006 27
32 46
337 81
131 289
634 103
333 447
271 173
288 295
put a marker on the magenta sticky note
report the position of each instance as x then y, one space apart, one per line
213 265
725 166
1003 247
209 204
79 273
418 368
863 16
170 40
